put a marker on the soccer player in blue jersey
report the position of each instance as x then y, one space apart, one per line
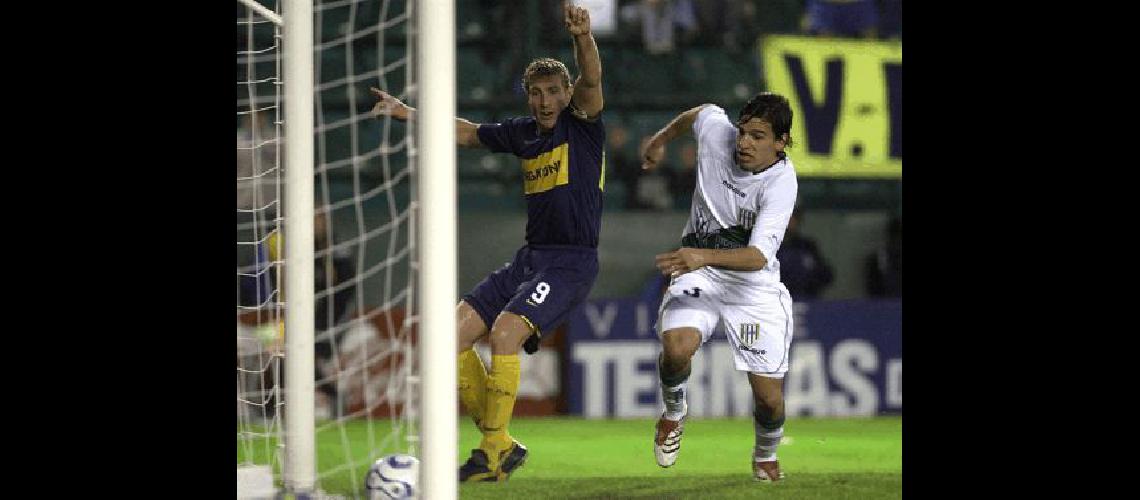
563 167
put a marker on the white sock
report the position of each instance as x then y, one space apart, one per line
766 442
675 405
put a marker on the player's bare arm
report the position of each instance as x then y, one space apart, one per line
466 134
588 86
655 149
684 260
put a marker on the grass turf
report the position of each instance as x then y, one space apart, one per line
578 458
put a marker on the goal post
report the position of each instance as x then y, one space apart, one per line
300 449
435 165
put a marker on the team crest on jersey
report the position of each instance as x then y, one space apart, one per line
747 218
749 332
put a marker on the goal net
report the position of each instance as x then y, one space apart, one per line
365 377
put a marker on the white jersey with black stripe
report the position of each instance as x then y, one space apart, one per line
734 208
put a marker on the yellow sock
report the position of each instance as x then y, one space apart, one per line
502 388
472 385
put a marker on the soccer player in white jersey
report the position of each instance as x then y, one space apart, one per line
725 273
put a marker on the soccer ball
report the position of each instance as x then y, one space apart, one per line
393 476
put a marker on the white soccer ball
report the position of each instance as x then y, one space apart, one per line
393 476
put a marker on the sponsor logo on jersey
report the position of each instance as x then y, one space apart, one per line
733 188
543 171
548 170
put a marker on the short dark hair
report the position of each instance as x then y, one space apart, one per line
545 66
772 108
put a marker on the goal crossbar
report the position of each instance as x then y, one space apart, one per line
263 12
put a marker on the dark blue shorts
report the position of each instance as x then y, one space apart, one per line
543 284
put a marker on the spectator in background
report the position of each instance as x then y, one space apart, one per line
659 21
883 268
777 16
842 18
256 190
742 27
499 49
624 165
803 269
683 180
332 267
736 24
654 189
713 18
890 23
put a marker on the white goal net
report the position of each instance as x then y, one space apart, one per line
365 398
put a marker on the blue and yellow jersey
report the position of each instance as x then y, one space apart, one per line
563 175
269 253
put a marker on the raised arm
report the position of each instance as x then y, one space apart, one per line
588 86
654 150
465 132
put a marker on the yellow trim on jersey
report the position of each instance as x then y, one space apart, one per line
271 244
547 171
533 329
602 178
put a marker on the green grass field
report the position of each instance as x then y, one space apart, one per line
856 458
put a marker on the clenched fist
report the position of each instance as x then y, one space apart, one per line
577 19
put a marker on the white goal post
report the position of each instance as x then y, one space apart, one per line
435 147
300 437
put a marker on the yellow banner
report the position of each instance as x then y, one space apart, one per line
846 98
